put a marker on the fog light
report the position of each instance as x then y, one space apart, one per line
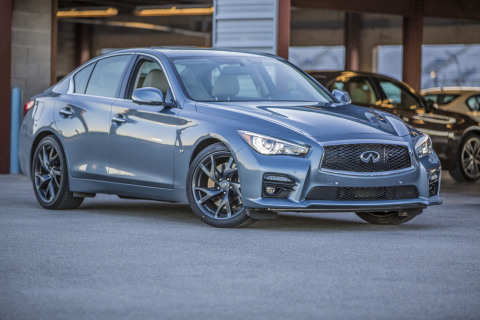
270 190
433 182
433 175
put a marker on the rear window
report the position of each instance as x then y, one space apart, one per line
441 98
107 76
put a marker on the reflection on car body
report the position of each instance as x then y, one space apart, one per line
239 136
455 137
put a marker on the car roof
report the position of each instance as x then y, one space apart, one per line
191 51
458 90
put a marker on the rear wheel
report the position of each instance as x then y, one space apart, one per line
213 188
389 217
467 166
50 176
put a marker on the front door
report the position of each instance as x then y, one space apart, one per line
408 107
142 137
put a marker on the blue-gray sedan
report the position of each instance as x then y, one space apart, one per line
239 136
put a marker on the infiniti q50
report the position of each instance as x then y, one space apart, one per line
239 136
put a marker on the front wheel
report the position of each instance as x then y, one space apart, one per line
50 176
213 188
467 166
389 217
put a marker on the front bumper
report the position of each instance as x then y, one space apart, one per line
307 175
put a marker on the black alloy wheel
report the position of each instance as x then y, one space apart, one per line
468 161
470 157
213 188
50 178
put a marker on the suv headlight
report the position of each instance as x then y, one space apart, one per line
423 147
272 146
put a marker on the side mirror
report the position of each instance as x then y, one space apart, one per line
149 95
342 96
430 105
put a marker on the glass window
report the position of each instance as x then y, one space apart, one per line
150 74
337 85
474 103
399 96
106 76
80 80
244 78
62 85
441 99
361 91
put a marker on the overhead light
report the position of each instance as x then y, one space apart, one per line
173 11
87 12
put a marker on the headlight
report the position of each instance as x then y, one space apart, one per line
268 145
423 147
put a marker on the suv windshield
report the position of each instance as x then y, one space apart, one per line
245 78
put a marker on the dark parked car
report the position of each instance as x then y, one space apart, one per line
236 135
455 137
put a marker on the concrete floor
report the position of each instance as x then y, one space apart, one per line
125 259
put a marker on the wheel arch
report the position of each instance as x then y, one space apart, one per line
204 143
40 135
474 130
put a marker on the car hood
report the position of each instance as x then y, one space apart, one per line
313 119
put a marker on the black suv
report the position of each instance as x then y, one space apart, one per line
455 137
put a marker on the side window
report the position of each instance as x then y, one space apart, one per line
474 103
80 80
337 85
361 91
150 74
432 97
399 96
106 76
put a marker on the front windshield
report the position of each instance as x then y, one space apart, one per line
245 78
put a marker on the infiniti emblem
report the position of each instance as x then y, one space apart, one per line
370 156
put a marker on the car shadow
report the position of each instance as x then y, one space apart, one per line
288 221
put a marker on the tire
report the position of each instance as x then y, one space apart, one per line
50 176
467 164
213 189
388 218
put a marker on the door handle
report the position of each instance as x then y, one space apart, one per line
119 119
66 112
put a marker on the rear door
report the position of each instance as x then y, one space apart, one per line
82 116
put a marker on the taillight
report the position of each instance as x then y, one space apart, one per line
28 106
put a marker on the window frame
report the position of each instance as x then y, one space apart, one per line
129 81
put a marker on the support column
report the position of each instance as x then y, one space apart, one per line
83 43
54 43
352 41
283 34
412 50
5 82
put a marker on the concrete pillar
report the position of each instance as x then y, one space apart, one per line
82 43
352 41
54 42
5 85
412 50
31 46
283 34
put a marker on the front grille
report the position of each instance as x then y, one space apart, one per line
362 193
347 157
